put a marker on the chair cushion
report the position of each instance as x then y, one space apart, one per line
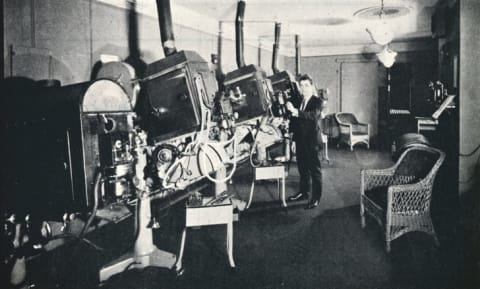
407 141
378 196
360 128
347 118
417 163
359 133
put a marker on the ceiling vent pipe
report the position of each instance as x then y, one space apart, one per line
298 54
219 73
166 27
276 45
239 33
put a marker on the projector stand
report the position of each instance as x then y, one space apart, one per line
145 253
268 173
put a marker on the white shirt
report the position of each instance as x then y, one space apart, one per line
304 103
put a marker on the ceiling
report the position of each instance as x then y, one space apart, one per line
320 23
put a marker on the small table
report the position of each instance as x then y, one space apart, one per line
268 173
205 215
325 148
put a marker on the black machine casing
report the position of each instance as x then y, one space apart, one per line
106 119
252 88
175 88
284 89
52 147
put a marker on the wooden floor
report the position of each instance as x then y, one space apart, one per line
279 248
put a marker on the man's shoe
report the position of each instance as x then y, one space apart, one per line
298 197
313 204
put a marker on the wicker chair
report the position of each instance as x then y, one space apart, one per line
399 197
351 131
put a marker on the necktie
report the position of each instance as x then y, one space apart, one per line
304 103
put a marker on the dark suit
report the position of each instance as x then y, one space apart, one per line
307 130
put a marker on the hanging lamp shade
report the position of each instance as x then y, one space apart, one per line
387 56
381 33
380 28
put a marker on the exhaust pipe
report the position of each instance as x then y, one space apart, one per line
220 75
297 54
239 33
276 46
166 27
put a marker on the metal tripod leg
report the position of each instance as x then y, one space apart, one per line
145 253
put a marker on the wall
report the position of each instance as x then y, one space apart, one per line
326 71
64 39
469 93
47 39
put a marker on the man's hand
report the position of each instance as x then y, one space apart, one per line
291 108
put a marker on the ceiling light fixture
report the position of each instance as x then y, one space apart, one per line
387 56
381 31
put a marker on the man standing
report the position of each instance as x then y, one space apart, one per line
306 127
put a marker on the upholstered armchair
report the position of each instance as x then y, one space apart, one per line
399 197
351 131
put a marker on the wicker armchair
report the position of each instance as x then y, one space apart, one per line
351 131
398 198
